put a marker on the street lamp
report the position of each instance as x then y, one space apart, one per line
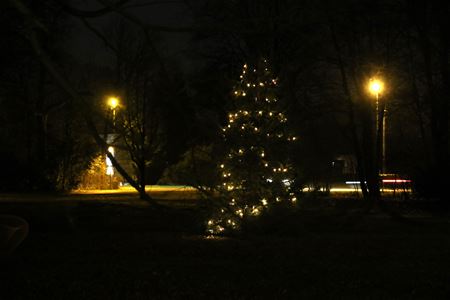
113 103
376 87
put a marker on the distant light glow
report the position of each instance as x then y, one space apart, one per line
396 181
384 181
352 182
376 86
109 165
113 102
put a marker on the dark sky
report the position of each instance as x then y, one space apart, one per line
86 47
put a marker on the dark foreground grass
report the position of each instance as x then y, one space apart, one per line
109 250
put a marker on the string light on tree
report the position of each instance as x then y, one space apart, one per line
256 173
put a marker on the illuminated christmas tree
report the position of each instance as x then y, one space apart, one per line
255 171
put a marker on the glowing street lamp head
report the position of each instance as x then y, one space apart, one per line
113 102
376 86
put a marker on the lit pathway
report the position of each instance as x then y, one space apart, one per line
124 194
158 191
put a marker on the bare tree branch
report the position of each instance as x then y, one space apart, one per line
146 4
90 13
98 34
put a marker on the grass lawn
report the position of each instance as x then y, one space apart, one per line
113 247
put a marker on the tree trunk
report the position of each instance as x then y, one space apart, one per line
361 168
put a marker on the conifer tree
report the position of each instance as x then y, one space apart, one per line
255 171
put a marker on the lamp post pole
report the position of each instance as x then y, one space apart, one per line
383 141
113 102
376 86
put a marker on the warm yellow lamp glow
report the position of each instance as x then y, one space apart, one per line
376 86
113 102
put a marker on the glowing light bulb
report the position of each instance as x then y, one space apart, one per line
113 102
375 86
255 211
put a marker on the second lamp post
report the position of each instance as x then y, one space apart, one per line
376 87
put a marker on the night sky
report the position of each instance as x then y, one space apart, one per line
84 45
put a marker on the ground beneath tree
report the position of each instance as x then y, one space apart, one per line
121 249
